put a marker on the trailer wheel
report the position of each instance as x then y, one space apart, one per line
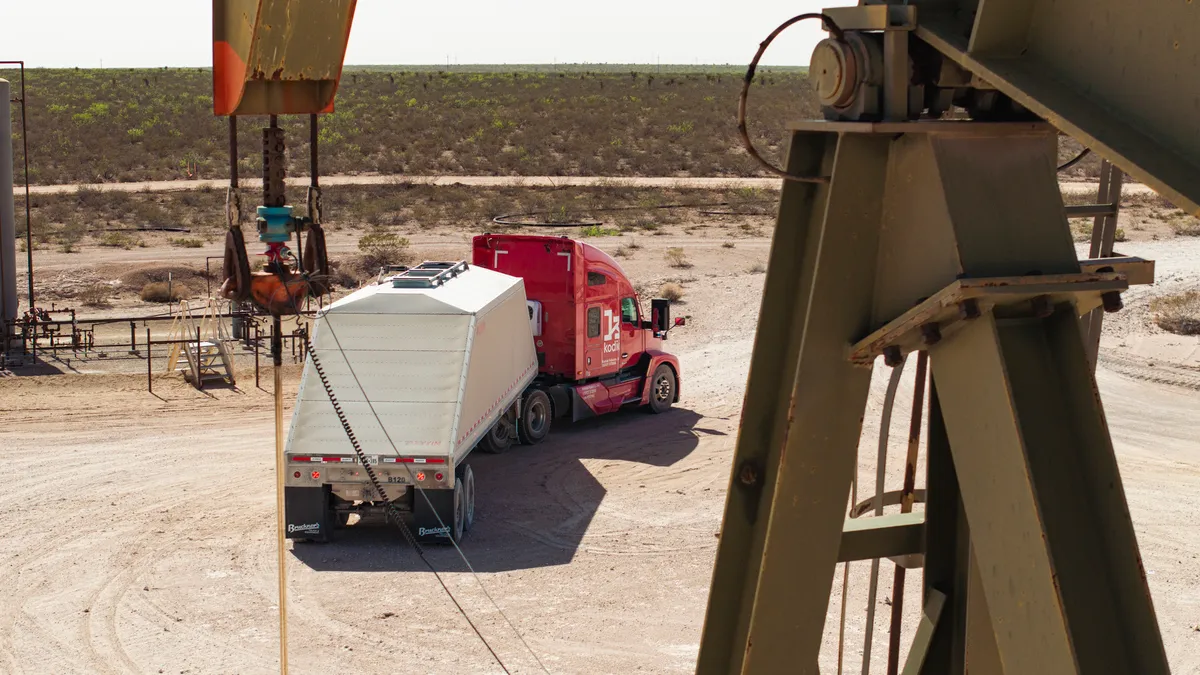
460 511
535 417
468 480
499 438
662 389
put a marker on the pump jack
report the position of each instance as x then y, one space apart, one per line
899 231
277 57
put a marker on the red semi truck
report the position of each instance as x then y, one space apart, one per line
596 351
446 357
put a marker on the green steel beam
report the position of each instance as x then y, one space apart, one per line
1118 76
872 537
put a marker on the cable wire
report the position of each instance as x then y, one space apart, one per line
390 509
1078 158
393 515
745 95
420 490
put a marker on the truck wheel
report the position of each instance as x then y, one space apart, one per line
662 389
535 417
468 480
498 439
460 511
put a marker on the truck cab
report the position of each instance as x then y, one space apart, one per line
598 347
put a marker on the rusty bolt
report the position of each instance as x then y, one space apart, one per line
931 334
748 474
892 356
968 309
1042 308
1112 302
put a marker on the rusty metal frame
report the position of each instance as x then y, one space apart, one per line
1114 75
278 57
1104 234
1026 526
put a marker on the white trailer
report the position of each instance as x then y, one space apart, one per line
425 365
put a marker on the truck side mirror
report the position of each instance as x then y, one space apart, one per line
660 315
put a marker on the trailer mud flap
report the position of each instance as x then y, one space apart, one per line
426 513
307 514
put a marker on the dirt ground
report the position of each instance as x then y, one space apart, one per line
138 530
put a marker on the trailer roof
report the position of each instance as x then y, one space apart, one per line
469 292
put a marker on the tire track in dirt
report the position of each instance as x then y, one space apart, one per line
92 474
1140 368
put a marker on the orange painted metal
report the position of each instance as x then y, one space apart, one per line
278 57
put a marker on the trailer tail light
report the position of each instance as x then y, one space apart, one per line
438 476
296 475
420 475
316 475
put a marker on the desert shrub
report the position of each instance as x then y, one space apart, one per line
728 244
96 295
757 268
121 240
161 291
621 252
341 274
1178 313
676 258
191 277
385 246
379 247
633 245
187 242
1184 225
671 291
598 231
70 236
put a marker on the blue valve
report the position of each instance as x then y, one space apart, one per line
275 224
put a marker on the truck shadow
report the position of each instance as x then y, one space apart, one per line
533 504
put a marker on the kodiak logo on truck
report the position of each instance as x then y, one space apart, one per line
612 337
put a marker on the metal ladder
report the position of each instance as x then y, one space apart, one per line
202 344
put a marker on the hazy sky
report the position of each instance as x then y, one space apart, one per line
128 33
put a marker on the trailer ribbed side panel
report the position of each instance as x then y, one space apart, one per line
438 365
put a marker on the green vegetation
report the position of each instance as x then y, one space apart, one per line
598 231
157 124
378 248
64 219
120 240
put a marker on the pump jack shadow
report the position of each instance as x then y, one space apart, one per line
533 504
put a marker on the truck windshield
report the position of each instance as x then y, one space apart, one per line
629 312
